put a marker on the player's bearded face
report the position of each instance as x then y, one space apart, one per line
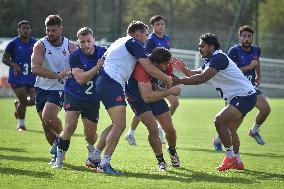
86 43
245 39
25 30
54 33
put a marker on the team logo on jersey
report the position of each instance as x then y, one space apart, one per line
64 52
118 99
49 52
67 106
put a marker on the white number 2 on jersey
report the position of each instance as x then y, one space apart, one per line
249 77
90 85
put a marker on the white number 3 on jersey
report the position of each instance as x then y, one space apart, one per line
26 69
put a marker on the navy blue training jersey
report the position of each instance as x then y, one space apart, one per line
21 55
85 62
154 41
244 58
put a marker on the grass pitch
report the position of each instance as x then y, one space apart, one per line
24 155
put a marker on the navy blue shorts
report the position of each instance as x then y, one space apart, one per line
109 91
244 103
157 108
88 109
42 96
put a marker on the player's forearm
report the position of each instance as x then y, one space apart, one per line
189 72
84 77
253 64
8 62
155 96
245 68
156 73
258 76
194 80
258 72
43 72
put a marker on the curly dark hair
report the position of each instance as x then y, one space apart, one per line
160 55
210 39
135 26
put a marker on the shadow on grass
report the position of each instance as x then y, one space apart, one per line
12 149
23 158
189 177
45 160
21 172
198 150
264 175
271 155
34 131
79 168
37 131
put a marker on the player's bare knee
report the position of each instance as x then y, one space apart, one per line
218 122
171 131
31 101
153 131
46 128
23 102
267 109
119 124
175 104
264 109
47 119
90 136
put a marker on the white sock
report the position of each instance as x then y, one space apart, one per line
21 122
131 132
105 160
239 157
90 147
230 152
95 155
255 128
60 155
